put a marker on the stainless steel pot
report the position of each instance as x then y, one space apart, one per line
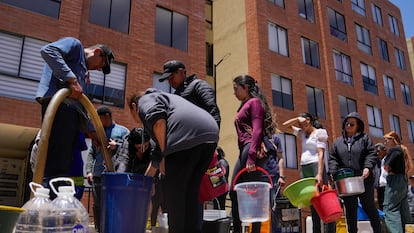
350 186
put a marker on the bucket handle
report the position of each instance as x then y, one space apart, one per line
72 183
325 187
257 168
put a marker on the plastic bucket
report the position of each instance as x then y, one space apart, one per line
221 225
343 173
253 198
327 205
301 192
124 202
8 218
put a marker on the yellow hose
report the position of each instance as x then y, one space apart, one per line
47 127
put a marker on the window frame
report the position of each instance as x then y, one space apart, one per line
340 71
282 91
107 14
377 15
337 29
363 39
306 10
280 3
406 94
177 31
280 43
383 50
346 106
316 102
400 59
410 130
388 86
309 48
376 127
359 7
289 146
393 25
395 123
369 78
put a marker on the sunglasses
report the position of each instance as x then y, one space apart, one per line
349 124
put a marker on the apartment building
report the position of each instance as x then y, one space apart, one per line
142 34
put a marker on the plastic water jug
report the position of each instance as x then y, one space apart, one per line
36 209
68 214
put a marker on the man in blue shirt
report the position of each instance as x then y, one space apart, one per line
67 65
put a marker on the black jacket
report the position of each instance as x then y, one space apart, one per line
200 93
356 153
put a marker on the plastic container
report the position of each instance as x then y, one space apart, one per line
326 204
124 201
343 173
8 218
35 210
68 214
253 198
301 192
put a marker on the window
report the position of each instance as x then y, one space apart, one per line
358 6
363 39
316 103
288 142
406 94
369 79
383 49
171 29
108 89
280 3
163 86
375 121
343 70
376 14
399 59
282 92
388 86
395 123
278 41
49 8
310 52
306 10
337 24
393 25
20 66
112 14
410 128
346 106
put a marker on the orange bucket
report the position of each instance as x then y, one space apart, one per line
326 204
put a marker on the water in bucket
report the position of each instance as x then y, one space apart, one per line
253 199
125 200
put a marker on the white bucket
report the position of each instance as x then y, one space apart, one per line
212 215
253 199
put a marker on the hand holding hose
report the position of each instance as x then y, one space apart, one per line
76 88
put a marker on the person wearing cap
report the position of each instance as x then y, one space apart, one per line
66 66
355 150
380 174
186 143
95 164
195 90
398 165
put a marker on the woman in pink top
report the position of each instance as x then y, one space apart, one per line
252 122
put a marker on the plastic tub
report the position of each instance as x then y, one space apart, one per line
8 218
301 192
253 198
125 200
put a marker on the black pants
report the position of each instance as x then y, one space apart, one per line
368 204
184 170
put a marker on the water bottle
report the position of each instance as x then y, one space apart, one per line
35 210
68 215
162 219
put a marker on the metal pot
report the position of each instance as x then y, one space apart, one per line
350 186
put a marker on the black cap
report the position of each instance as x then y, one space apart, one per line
169 68
104 110
107 52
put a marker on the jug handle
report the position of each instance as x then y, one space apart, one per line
72 183
32 186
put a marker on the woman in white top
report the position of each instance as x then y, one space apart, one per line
312 160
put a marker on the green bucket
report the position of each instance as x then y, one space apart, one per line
8 218
301 192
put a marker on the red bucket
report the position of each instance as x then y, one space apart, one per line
326 204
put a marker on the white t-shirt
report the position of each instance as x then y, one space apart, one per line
317 139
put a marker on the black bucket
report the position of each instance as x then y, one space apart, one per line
221 225
125 200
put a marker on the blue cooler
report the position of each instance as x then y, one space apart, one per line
124 202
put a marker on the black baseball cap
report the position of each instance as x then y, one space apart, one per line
109 56
104 110
169 68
